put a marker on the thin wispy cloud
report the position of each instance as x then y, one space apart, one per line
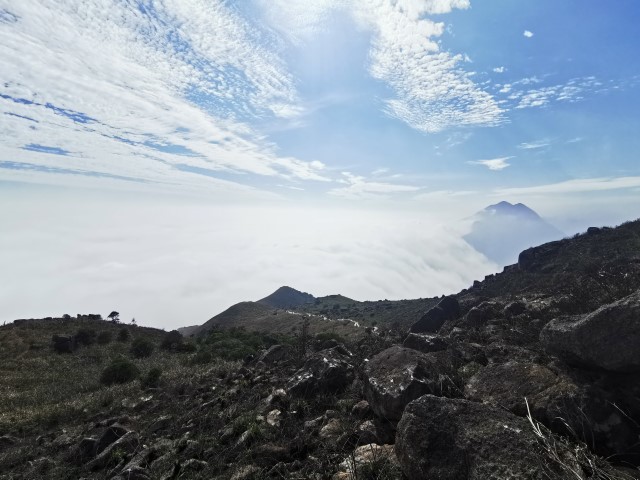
499 69
495 164
174 85
534 145
575 186
527 33
360 187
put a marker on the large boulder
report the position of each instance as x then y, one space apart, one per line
447 309
276 353
454 439
327 371
605 339
575 408
398 375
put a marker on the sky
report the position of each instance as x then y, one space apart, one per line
169 158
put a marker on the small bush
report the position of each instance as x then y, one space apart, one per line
171 340
124 335
104 337
151 379
142 347
186 347
86 336
120 370
202 357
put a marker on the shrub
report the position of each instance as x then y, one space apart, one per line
120 370
202 357
104 337
123 335
231 349
171 340
86 336
142 347
151 379
186 347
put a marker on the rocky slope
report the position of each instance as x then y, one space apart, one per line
533 373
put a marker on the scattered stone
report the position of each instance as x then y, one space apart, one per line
378 459
110 435
193 465
162 423
332 429
245 472
447 309
128 443
273 418
362 409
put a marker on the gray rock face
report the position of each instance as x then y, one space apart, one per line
399 375
324 371
453 439
606 339
447 309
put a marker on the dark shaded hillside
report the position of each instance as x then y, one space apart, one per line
578 274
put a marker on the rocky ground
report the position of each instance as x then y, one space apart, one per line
532 374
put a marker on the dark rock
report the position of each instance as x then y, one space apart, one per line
535 258
276 353
82 452
161 423
557 401
447 309
110 435
593 230
192 465
361 409
452 439
7 441
607 338
514 308
399 375
64 343
128 443
325 371
480 314
425 343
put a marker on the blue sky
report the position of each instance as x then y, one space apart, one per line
432 108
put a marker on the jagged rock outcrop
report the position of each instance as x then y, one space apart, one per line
605 339
325 371
446 309
276 353
453 439
398 375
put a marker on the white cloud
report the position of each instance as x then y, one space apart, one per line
432 91
187 78
493 164
527 34
534 145
214 257
574 186
499 69
360 187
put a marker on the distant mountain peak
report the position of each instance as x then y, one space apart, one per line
506 208
287 297
501 231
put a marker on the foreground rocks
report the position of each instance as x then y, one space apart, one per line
447 309
325 371
607 338
399 375
452 439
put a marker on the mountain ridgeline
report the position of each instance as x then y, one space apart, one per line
531 373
